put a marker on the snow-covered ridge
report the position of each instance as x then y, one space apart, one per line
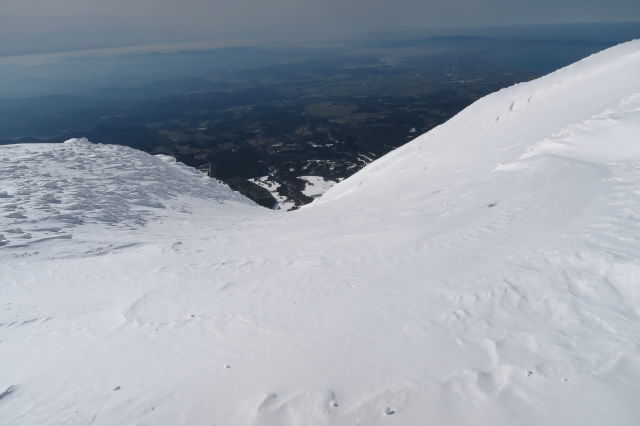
47 190
514 123
487 273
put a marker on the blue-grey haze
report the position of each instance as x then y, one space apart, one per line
53 25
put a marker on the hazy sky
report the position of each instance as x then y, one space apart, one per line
47 25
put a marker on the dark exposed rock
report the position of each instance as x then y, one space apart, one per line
8 391
250 190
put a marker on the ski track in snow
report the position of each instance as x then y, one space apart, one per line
487 273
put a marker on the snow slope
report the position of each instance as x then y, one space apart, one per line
487 273
48 191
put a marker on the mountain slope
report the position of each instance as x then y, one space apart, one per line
487 273
49 191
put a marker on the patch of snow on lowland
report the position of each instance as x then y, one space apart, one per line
268 183
486 273
316 185
367 158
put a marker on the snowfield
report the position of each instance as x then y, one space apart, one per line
487 273
315 186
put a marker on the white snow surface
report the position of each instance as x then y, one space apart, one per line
283 203
316 185
487 273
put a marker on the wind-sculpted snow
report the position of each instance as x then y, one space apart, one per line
46 191
487 273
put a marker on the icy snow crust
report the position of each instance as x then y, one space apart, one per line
487 273
48 191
